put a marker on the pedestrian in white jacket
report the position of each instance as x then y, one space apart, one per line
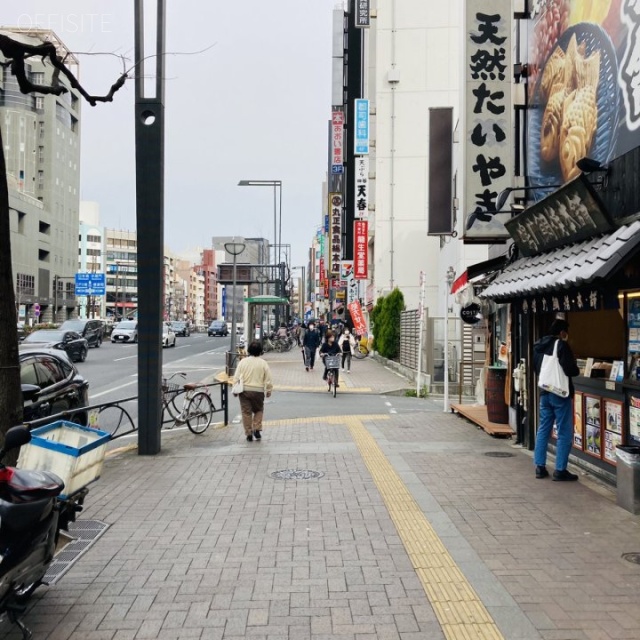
347 344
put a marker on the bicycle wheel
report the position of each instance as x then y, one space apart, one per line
199 413
360 352
335 385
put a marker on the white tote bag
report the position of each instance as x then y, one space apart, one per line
552 377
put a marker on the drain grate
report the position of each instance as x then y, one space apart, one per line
85 533
296 474
499 454
631 557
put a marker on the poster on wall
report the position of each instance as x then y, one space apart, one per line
592 426
634 419
583 67
613 416
578 423
611 441
488 139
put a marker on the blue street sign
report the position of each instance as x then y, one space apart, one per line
337 168
362 127
90 284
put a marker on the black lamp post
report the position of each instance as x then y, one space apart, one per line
235 249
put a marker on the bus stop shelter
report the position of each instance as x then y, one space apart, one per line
256 306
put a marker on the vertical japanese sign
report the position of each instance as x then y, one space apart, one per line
322 273
488 142
337 134
361 133
335 234
362 15
362 187
361 245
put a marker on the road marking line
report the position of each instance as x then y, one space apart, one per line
104 393
127 358
458 608
287 422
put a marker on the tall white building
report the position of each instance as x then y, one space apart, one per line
414 62
41 136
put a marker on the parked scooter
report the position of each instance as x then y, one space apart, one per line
31 518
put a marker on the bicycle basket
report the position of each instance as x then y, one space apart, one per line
170 390
332 362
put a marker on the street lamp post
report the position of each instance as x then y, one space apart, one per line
277 226
235 249
451 275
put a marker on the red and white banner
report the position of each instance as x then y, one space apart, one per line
360 249
322 273
357 317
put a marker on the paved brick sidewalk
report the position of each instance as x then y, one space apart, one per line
411 533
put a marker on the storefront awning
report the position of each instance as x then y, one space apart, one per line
474 271
569 267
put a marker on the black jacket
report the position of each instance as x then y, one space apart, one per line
544 346
311 339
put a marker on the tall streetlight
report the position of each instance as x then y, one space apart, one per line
235 249
277 228
451 276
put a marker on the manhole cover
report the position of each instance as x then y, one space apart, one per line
499 454
632 557
296 474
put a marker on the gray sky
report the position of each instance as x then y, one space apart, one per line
255 106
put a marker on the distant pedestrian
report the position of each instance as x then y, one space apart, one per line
256 379
347 344
554 408
310 345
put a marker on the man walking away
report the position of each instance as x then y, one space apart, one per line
310 345
554 407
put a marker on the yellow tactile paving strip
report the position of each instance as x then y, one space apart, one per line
455 603
457 606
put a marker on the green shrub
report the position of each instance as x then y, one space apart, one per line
387 314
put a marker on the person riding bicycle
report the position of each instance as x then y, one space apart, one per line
330 347
282 331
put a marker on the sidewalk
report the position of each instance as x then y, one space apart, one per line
410 531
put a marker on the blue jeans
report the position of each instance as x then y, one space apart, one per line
561 409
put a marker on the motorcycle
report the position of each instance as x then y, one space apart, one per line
32 521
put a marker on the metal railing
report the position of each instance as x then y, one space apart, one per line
117 417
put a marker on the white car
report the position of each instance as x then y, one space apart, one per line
168 336
125 331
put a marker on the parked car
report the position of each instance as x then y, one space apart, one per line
168 336
181 328
218 328
72 342
51 384
125 331
91 330
21 332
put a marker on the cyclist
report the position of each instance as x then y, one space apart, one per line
330 348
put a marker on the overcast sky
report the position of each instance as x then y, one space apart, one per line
254 106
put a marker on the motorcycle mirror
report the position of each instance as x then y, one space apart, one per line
16 437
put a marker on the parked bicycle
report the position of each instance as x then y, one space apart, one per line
196 410
363 348
332 363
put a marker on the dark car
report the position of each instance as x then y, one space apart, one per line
91 330
218 328
180 328
73 343
21 332
51 384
